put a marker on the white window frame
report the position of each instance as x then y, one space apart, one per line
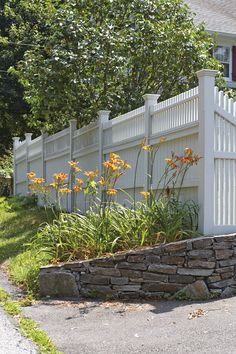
230 60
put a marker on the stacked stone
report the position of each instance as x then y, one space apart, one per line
155 272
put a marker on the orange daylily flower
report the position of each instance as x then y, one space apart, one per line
60 177
146 195
171 163
76 169
147 147
114 156
65 190
112 191
31 174
162 139
126 165
107 164
77 189
73 163
38 180
79 181
102 181
91 174
188 151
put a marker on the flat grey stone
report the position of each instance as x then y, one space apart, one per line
228 262
222 245
131 273
129 287
173 260
135 258
195 263
223 253
200 254
94 279
181 279
153 277
195 291
105 271
203 242
162 268
229 291
195 272
132 266
162 287
58 284
222 284
175 247
119 281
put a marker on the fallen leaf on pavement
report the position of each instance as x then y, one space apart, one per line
197 313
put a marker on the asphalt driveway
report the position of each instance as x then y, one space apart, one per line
155 327
168 327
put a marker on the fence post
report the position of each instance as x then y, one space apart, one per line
73 126
103 117
16 140
43 169
206 150
150 100
27 141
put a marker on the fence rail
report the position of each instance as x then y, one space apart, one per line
202 118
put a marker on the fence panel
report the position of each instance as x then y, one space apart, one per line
225 163
175 112
202 118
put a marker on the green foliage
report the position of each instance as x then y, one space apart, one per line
24 269
28 327
22 22
22 202
6 165
18 223
87 55
6 172
117 228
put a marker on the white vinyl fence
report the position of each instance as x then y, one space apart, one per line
202 118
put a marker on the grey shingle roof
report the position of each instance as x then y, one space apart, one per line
218 15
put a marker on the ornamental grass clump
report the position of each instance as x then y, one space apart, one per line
107 226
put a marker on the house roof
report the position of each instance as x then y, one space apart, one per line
218 15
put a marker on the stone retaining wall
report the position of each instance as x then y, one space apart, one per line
197 268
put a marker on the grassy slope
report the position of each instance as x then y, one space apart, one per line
17 226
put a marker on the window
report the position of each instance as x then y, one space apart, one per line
223 54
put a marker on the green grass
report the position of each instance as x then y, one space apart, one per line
28 327
19 222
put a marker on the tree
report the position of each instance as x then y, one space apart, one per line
105 54
12 105
21 23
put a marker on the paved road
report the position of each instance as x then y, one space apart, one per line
125 328
11 342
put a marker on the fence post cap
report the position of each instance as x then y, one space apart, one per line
28 136
16 138
44 132
104 115
151 97
207 72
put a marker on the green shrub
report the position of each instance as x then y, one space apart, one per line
6 172
22 202
6 165
116 228
24 269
